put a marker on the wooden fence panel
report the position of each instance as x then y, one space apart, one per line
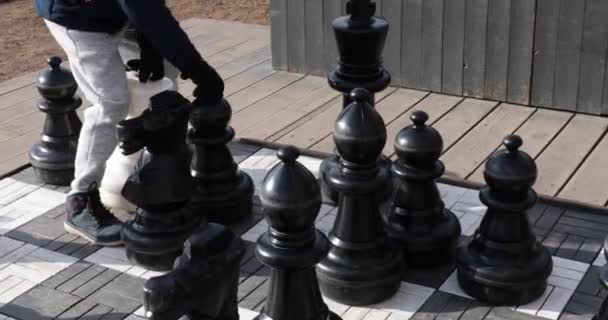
453 46
476 23
545 41
547 53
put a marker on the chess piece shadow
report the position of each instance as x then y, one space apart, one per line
162 184
204 282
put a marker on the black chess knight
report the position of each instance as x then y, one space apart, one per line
161 185
362 267
53 157
204 282
291 200
418 220
504 264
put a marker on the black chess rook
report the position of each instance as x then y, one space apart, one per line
204 282
418 221
503 263
53 157
362 267
291 247
161 185
222 192
360 39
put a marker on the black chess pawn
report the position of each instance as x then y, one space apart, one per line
291 200
503 263
161 185
360 38
53 157
223 193
362 267
418 220
204 282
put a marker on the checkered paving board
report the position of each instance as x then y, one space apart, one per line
46 273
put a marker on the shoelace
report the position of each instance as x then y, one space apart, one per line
96 209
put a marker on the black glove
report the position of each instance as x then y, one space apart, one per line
150 65
209 85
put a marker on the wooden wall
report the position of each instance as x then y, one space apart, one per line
548 53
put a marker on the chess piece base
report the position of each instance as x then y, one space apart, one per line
503 283
155 251
330 316
53 160
229 207
359 285
331 196
425 243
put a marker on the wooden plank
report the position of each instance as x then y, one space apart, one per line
545 41
319 126
537 133
278 31
593 57
260 90
239 65
520 51
14 163
255 113
411 42
435 105
248 78
315 64
296 31
567 54
605 100
291 114
563 156
453 46
19 82
476 23
236 52
389 108
432 40
331 10
461 119
466 155
16 96
588 184
391 11
497 54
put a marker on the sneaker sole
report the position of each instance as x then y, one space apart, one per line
76 232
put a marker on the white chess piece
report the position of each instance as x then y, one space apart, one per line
119 167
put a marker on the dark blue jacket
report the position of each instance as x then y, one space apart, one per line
151 17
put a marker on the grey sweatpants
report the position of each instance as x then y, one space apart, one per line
99 71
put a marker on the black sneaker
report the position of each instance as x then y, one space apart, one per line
88 218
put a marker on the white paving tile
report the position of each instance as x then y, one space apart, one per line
356 313
451 286
245 314
3 317
28 208
115 258
312 164
600 261
12 287
12 190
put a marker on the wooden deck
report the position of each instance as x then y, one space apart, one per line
289 108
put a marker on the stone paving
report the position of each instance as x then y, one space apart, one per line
48 274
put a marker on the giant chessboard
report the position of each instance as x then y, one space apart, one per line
46 273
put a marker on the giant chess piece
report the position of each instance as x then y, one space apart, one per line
503 264
120 167
418 220
362 267
162 184
291 200
360 37
53 157
204 282
223 193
